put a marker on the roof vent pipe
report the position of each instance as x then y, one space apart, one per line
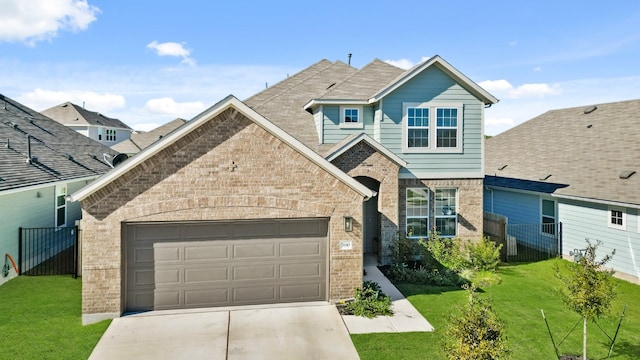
349 61
29 149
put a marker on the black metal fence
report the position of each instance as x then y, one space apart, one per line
48 251
532 242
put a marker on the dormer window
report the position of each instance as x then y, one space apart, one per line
351 117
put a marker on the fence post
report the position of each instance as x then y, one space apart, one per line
560 239
75 254
20 251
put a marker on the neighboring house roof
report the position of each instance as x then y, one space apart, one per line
70 114
58 153
229 102
594 152
139 141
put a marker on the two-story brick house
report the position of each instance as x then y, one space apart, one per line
278 198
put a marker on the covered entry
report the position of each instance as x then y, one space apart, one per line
176 265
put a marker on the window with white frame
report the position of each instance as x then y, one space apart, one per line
417 217
100 132
446 212
351 117
417 128
617 218
548 211
432 127
61 206
111 134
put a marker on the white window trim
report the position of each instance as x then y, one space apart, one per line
433 129
407 217
555 217
110 133
436 212
624 218
351 125
60 190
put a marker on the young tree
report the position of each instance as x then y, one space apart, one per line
589 287
475 333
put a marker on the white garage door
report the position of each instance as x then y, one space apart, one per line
223 263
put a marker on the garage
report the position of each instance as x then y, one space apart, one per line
179 265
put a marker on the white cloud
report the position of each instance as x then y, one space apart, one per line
166 106
40 99
145 126
173 49
513 43
537 69
504 89
405 63
37 20
492 121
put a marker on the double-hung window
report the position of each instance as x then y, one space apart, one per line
111 134
548 210
617 218
446 212
351 117
61 206
432 127
417 212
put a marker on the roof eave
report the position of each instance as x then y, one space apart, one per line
317 102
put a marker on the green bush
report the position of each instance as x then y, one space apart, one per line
369 301
447 251
484 255
404 250
424 276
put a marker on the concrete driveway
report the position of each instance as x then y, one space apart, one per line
291 331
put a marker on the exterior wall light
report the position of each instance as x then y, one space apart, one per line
348 223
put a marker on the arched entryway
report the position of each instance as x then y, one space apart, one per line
371 227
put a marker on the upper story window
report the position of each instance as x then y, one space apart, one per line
100 133
111 134
617 218
351 117
432 127
446 212
548 210
417 216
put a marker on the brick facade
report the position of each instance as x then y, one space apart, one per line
228 168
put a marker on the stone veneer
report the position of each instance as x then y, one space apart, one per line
228 168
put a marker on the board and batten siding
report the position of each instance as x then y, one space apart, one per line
582 220
520 208
332 131
433 85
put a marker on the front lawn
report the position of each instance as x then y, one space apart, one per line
517 300
40 318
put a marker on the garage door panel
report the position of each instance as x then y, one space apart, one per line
300 291
296 249
201 268
254 272
206 275
290 271
254 251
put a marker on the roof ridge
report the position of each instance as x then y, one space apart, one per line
360 71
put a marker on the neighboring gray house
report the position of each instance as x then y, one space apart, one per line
279 198
140 140
103 129
579 167
41 162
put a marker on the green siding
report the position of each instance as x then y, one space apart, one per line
434 85
331 120
581 220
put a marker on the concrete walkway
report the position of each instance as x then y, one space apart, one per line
289 331
405 317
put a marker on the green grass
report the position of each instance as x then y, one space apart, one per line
525 290
40 318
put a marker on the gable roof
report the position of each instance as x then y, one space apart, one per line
70 114
588 149
58 153
439 62
356 138
228 102
141 140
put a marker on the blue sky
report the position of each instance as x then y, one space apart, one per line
147 63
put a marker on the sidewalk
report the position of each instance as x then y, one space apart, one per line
405 317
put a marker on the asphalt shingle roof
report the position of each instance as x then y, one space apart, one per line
71 114
59 153
586 151
139 141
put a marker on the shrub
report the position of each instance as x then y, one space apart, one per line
424 276
369 301
475 333
484 255
448 252
404 250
